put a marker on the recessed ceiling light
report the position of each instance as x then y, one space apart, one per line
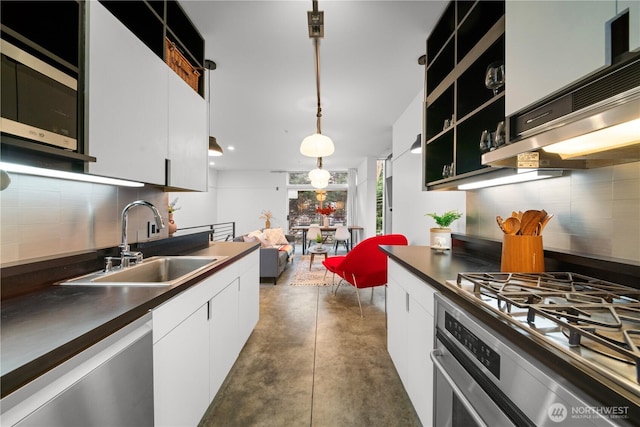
231 147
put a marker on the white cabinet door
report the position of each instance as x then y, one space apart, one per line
420 368
181 372
126 100
410 329
224 341
249 310
550 44
397 326
188 140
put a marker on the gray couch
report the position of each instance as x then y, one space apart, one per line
272 260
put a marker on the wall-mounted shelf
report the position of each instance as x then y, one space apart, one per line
458 106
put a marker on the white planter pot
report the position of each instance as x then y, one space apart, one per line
440 238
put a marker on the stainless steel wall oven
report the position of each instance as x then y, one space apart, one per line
481 379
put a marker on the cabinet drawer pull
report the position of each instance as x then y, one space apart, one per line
539 116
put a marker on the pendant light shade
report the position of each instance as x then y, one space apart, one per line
214 148
317 145
319 184
319 175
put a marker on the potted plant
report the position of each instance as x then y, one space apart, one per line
172 224
441 235
319 240
266 216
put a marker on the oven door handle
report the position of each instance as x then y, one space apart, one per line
474 414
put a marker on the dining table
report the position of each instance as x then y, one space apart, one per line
353 231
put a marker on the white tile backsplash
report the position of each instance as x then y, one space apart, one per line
44 216
597 211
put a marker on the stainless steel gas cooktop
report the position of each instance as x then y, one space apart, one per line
594 321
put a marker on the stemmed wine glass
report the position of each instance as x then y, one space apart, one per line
448 170
494 77
500 138
486 141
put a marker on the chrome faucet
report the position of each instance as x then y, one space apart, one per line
126 255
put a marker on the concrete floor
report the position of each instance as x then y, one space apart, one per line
313 361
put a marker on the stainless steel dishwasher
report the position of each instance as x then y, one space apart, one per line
109 384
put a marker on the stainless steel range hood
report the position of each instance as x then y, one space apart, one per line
599 103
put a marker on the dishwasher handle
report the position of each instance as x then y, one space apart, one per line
465 402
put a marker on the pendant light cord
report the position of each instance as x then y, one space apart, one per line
316 43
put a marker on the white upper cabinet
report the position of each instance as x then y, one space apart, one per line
188 136
550 44
126 100
144 123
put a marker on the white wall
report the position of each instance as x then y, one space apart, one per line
243 195
197 208
410 203
366 197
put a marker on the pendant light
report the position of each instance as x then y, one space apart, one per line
214 148
317 145
319 177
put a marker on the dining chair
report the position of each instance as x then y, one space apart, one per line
342 235
365 266
312 232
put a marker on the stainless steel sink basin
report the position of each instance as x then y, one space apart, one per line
154 271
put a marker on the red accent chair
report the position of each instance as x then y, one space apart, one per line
365 266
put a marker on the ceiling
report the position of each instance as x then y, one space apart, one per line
263 93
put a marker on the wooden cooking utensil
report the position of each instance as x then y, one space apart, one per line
544 222
511 225
530 221
500 223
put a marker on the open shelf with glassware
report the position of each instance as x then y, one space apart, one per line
464 84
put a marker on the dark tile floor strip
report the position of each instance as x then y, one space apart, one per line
312 361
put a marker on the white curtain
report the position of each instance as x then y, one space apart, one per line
352 206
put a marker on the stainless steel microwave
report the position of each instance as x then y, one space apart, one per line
39 102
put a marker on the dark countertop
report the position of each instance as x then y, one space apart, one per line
42 329
435 268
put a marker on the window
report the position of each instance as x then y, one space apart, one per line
302 178
303 205
304 199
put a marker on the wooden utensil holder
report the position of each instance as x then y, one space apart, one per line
522 254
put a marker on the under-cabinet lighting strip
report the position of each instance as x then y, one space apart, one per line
523 175
30 170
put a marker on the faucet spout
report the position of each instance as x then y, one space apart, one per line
125 216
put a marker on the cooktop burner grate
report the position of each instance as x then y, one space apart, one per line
583 311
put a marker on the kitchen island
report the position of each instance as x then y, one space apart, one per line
42 330
416 274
